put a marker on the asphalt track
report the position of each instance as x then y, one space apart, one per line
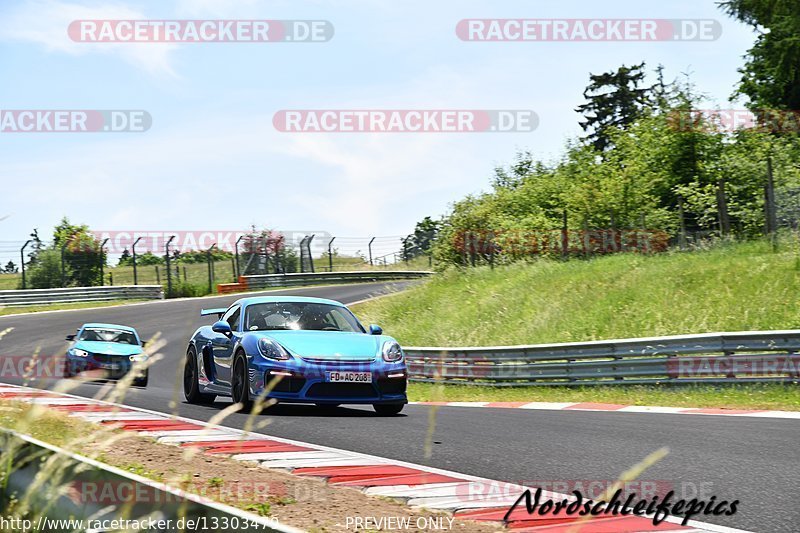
755 461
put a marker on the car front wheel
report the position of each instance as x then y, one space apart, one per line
240 389
142 381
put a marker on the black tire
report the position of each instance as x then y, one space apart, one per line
191 387
388 409
142 381
240 388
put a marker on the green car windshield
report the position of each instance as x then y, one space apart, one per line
300 316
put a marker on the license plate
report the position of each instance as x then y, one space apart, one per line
350 377
110 366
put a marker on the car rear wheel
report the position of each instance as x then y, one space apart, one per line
240 390
191 386
388 409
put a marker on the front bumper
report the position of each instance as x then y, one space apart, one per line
109 367
304 381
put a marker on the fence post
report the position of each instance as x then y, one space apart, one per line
22 260
330 254
135 275
769 205
210 261
369 246
491 250
310 255
236 273
158 276
683 223
169 270
63 267
102 262
722 209
564 237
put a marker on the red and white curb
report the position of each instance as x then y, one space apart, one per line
587 406
467 497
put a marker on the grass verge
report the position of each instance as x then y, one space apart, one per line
733 287
750 396
58 307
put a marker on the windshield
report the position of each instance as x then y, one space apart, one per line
108 335
300 316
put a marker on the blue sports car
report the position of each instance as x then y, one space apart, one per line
294 349
106 349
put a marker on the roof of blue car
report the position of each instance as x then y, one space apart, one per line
101 325
293 299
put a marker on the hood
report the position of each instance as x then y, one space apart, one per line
328 345
109 348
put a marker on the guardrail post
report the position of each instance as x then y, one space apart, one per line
370 250
169 271
330 254
133 249
22 260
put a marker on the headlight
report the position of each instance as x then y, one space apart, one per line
270 349
392 352
79 353
138 357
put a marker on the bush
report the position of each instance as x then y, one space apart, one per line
46 272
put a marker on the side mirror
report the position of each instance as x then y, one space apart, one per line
375 329
221 327
70 337
144 343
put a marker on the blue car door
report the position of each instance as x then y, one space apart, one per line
222 347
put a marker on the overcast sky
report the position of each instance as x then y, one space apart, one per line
212 159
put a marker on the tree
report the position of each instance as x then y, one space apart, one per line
148 259
421 241
771 74
36 246
11 268
615 99
82 253
125 259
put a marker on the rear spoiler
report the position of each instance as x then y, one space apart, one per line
218 312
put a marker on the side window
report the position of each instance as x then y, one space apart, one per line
232 317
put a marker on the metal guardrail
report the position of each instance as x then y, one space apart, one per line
80 294
59 485
747 356
298 279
